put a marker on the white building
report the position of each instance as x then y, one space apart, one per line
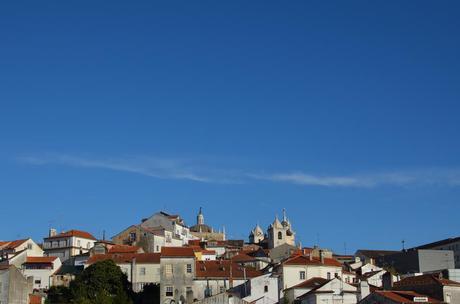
41 269
300 268
140 268
172 223
332 291
67 244
16 252
263 289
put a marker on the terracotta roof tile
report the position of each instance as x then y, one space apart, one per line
123 258
221 269
305 260
41 260
75 233
124 249
177 252
7 245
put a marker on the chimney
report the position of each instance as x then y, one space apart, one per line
364 289
321 256
387 281
52 232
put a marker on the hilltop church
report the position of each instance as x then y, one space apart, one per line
278 233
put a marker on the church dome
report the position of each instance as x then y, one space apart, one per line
201 228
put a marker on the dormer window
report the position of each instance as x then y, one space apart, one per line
280 235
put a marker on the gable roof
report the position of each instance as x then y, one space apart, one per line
426 279
404 296
74 233
311 283
8 245
221 269
177 252
314 261
124 249
40 260
124 258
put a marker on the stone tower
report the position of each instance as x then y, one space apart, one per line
280 233
257 235
200 218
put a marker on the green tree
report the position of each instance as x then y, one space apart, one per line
101 283
149 295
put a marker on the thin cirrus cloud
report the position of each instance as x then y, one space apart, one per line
180 169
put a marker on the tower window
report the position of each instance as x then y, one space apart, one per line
280 235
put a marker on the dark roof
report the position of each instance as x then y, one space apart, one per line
311 283
375 253
69 269
426 279
439 243
403 296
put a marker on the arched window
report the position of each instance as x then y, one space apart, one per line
280 235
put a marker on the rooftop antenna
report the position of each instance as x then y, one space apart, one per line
403 242
103 235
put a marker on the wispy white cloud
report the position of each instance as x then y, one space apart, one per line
445 177
153 167
181 169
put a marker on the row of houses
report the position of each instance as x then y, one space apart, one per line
199 264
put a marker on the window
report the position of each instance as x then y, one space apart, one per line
222 289
189 268
336 275
132 236
38 281
328 275
302 275
280 235
29 246
78 243
158 249
88 245
142 271
169 291
168 269
266 288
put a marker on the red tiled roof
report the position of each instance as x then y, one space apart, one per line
305 260
124 249
11 244
41 260
404 296
35 299
311 283
123 258
242 257
177 252
221 269
205 251
76 233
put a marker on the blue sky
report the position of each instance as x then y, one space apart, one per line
346 113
